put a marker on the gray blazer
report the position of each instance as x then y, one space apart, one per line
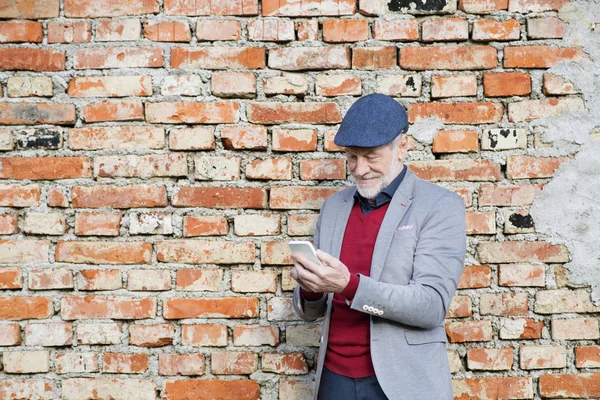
417 262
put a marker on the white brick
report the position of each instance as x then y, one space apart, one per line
96 333
399 85
181 85
150 224
256 225
504 139
26 362
217 168
26 86
45 223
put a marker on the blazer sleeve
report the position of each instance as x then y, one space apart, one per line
437 267
310 310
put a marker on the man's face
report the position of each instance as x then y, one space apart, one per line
373 169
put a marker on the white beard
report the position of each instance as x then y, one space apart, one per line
370 192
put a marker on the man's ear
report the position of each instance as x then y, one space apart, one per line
403 147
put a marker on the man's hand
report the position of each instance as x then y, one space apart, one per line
332 276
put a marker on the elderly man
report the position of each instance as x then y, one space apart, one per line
392 249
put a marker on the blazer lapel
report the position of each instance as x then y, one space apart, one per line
399 204
341 220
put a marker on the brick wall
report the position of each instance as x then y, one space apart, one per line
157 155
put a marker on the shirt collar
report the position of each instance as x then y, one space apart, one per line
383 197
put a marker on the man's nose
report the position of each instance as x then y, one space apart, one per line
362 167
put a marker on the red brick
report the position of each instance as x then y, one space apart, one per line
456 170
205 252
542 357
289 197
524 6
37 113
241 137
255 335
117 137
110 307
233 84
118 30
516 251
307 29
218 57
455 142
469 331
110 86
11 278
529 167
211 7
206 279
94 279
273 30
520 328
457 113
309 8
493 30
19 195
131 196
374 58
118 57
453 85
581 386
167 31
8 224
31 59
97 224
482 7
181 364
294 139
120 363
23 251
481 223
10 335
21 31
51 278
445 29
503 304
213 30
490 359
213 335
587 356
57 198
222 307
69 32
151 335
208 225
220 198
109 8
448 57
328 141
192 112
80 252
540 56
27 388
113 110
521 275
345 30
45 168
309 58
545 28
271 168
506 84
338 85
15 308
475 276
502 195
284 363
402 30
30 9
493 388
460 307
556 84
465 194
304 113
206 389
324 169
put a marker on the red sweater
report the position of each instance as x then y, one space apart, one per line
349 350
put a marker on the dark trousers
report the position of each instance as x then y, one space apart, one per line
338 387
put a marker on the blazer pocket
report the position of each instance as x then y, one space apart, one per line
426 336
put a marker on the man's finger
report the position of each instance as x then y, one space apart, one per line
306 263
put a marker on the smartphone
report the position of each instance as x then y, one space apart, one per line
305 249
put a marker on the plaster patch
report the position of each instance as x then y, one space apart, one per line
568 208
425 130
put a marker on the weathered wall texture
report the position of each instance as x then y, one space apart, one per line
157 155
